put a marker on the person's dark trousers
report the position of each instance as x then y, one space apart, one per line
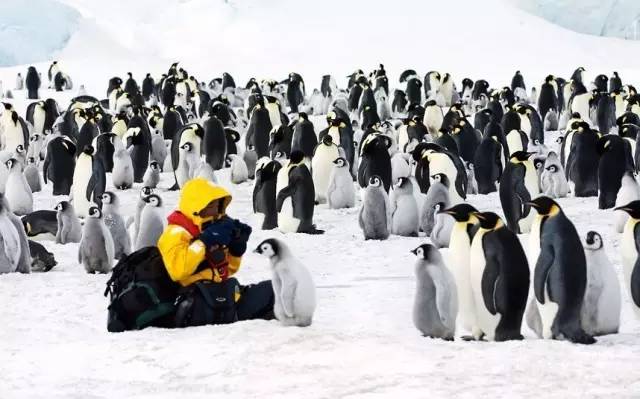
256 302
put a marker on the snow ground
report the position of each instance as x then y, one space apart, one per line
362 344
53 339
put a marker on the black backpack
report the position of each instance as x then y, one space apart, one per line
141 293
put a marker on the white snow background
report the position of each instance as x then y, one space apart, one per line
53 338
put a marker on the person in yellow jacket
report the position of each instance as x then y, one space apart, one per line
202 249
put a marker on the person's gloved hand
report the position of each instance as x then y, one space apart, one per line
218 233
238 245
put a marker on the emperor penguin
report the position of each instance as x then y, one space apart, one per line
630 242
250 158
499 279
14 246
400 166
293 286
140 205
17 191
239 171
629 192
158 147
189 160
560 276
435 306
122 173
459 263
206 172
81 177
433 117
32 175
115 223
442 226
437 195
96 251
13 132
152 175
325 153
600 313
152 223
553 182
518 185
404 209
264 195
69 228
375 214
433 159
341 192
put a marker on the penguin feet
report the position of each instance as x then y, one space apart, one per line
580 337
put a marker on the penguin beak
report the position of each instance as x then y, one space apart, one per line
478 215
414 251
621 208
257 250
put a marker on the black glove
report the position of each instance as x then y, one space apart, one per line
238 245
219 232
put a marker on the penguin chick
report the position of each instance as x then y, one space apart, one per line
152 175
553 181
115 223
122 174
152 223
293 286
435 306
239 170
32 175
69 229
404 209
96 251
375 213
17 191
341 192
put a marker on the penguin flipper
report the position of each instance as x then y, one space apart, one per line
490 281
521 191
283 195
91 186
635 283
541 274
45 167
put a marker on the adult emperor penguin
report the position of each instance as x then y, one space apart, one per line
560 276
583 160
629 192
404 209
295 91
375 216
81 177
600 313
14 132
17 191
250 158
341 191
325 154
435 307
96 251
518 185
296 202
115 223
615 161
459 263
499 279
264 195
69 228
293 286
14 247
433 159
259 130
214 143
488 164
304 136
433 117
152 223
375 160
32 83
553 182
140 142
630 242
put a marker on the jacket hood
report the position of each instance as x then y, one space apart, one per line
197 194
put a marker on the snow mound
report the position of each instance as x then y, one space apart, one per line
35 31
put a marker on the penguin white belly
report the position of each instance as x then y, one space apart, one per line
629 192
287 223
486 321
525 125
403 137
38 120
282 180
433 119
621 107
533 186
274 114
514 142
18 194
581 105
81 177
334 132
629 257
182 172
405 218
607 305
548 313
321 167
633 145
459 252
568 139
441 163
13 137
343 194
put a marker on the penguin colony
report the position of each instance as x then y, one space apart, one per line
408 158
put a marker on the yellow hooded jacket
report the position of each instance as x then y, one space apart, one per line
181 252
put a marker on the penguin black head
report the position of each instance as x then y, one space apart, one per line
279 155
269 248
632 208
340 162
31 160
545 206
442 178
95 212
375 181
11 162
327 140
462 213
153 200
427 252
489 220
538 163
302 116
593 241
552 169
549 79
62 206
187 147
144 191
88 150
20 149
520 156
154 165
107 197
296 157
